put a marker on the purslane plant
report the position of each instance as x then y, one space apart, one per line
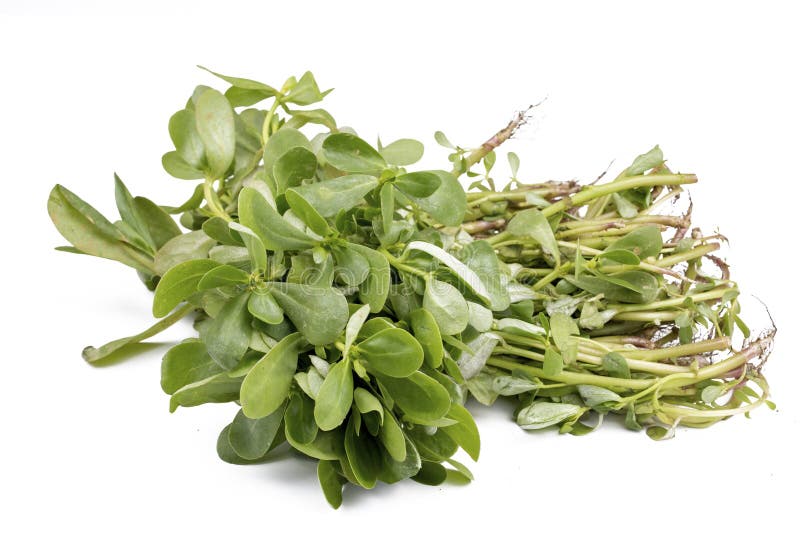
350 305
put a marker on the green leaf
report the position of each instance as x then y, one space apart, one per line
331 482
217 389
363 456
228 336
630 419
464 432
403 152
275 232
448 203
562 327
326 446
222 275
596 396
243 83
544 414
644 242
178 168
625 257
419 396
480 318
189 149
306 91
353 327
267 384
387 207
352 269
637 287
319 313
216 129
533 224
303 209
90 232
442 140
190 246
553 362
255 248
375 288
239 97
227 454
513 163
625 207
263 307
185 363
431 474
480 258
645 162
616 365
426 332
329 197
131 216
352 154
250 438
464 273
447 306
217 228
281 142
299 419
178 284
335 396
160 225
366 402
393 439
419 184
392 352
301 117
294 166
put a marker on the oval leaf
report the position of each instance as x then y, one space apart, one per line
178 284
275 232
252 438
426 331
403 152
215 126
418 184
335 396
228 336
391 352
419 396
267 384
222 275
264 308
319 313
350 153
329 197
447 306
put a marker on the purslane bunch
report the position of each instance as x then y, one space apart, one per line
350 305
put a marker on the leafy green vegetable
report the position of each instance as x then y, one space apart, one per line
350 304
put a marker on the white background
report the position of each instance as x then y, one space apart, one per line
95 450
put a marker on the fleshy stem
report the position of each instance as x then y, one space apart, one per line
493 142
93 355
212 199
595 191
400 266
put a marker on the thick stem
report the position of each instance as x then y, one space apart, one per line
93 355
592 192
570 378
493 142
